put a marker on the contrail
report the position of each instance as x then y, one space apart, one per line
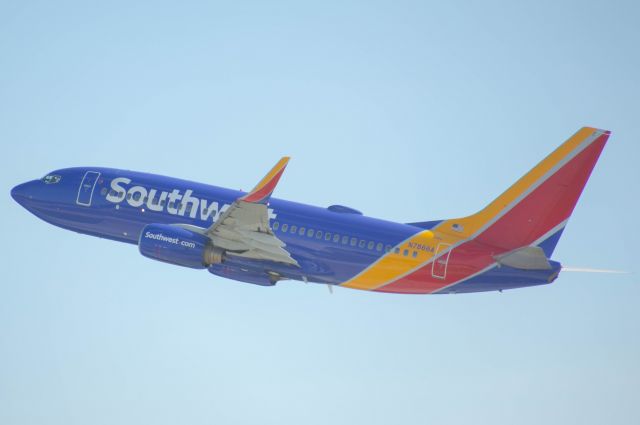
587 270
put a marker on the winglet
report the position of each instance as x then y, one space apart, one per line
263 190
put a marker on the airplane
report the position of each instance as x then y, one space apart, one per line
254 238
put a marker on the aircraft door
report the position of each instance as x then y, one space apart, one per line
439 266
85 192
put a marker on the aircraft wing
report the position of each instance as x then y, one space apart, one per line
243 228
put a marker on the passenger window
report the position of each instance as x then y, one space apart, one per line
310 233
319 234
361 243
379 247
188 209
354 241
327 236
336 238
275 225
154 201
396 251
294 228
371 244
406 252
128 195
415 254
345 240
301 232
387 248
285 227
103 191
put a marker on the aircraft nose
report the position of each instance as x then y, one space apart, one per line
18 192
22 193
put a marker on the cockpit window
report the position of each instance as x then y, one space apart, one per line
51 179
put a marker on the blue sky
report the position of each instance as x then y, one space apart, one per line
405 110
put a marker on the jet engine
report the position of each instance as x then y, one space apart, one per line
175 245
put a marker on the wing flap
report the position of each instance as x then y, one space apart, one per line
243 228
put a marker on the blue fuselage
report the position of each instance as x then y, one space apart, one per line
331 245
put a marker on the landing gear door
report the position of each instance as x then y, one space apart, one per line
439 266
85 192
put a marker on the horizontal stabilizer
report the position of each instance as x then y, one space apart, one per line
527 258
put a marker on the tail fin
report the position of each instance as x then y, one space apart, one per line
536 208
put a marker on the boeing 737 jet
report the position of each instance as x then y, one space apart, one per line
252 237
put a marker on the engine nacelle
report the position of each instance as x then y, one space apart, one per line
175 245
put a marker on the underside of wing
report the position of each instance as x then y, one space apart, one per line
243 229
